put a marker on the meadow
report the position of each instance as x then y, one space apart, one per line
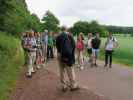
124 53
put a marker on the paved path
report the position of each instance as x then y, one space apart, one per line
115 83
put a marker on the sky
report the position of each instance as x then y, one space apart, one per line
109 12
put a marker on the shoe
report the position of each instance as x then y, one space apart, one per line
81 67
96 65
64 89
29 76
38 67
75 89
110 66
33 72
105 65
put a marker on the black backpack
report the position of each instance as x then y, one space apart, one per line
67 50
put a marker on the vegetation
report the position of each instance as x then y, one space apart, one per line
50 22
11 59
15 17
86 27
120 30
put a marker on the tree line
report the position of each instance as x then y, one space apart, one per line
15 18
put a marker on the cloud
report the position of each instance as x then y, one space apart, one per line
115 12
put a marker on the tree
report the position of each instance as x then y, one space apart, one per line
34 23
50 22
86 27
15 17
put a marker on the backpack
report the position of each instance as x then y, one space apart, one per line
67 50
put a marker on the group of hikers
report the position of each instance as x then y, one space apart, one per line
41 47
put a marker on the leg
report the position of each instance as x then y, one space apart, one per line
96 56
110 65
106 58
71 76
81 60
78 57
29 64
48 52
62 73
33 60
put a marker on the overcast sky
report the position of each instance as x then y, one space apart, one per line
110 12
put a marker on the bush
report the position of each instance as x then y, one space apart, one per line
11 58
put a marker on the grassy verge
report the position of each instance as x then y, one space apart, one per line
11 59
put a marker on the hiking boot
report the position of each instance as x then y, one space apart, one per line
105 65
64 89
75 89
81 67
38 67
96 65
110 66
29 76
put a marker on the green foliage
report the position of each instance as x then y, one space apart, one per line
34 23
86 27
15 17
50 22
11 59
120 30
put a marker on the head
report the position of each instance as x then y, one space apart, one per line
64 29
51 33
90 35
110 35
31 34
97 35
46 31
80 37
37 34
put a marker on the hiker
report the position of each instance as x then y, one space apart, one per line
23 43
44 44
89 47
95 49
31 46
50 46
39 50
110 45
54 44
66 56
80 48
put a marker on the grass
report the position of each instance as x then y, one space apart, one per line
124 53
11 58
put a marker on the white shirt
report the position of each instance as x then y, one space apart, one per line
110 43
89 46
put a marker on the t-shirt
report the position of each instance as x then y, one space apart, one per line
89 45
38 42
32 43
45 38
96 43
110 43
50 41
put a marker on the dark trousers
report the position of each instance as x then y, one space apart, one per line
50 52
108 57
